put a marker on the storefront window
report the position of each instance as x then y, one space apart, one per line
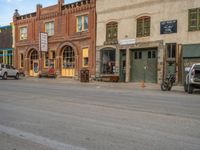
108 62
46 60
68 58
85 57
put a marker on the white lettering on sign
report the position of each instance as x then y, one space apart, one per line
127 41
43 42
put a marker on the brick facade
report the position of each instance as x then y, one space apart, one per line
65 35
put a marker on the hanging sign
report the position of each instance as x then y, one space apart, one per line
43 40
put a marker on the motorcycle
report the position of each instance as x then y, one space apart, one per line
168 82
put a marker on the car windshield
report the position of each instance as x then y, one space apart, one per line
197 67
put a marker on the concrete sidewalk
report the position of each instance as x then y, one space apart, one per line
119 85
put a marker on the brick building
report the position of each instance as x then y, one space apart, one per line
6 45
71 39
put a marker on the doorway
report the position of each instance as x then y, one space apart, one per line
68 62
123 65
34 64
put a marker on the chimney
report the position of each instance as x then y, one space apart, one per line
38 8
61 2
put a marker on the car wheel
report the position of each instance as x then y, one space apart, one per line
17 76
5 76
190 89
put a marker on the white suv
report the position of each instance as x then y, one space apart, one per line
8 71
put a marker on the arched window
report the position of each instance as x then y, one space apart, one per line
143 26
68 57
111 33
34 55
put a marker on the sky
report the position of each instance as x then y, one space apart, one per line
7 8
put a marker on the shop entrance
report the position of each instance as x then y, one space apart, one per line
34 64
68 62
122 65
144 65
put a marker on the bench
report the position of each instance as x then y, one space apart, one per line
109 78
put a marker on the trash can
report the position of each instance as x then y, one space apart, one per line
84 75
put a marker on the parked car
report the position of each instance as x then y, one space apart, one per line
192 80
8 71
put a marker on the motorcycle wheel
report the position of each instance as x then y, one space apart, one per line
164 86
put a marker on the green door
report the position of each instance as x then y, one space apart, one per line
122 65
144 65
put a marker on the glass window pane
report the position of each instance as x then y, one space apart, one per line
85 23
140 55
149 54
136 56
108 61
154 54
143 26
79 23
49 28
111 32
173 50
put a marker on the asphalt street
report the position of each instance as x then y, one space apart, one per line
51 115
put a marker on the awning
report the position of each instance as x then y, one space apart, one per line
191 50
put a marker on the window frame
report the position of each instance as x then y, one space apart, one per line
196 27
143 25
23 35
170 51
108 66
81 20
50 28
112 30
85 56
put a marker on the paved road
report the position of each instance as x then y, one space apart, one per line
49 115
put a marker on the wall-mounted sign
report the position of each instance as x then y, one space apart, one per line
167 27
43 42
127 41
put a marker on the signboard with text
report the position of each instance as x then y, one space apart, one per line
168 27
43 39
127 41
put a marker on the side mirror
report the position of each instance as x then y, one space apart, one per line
187 69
